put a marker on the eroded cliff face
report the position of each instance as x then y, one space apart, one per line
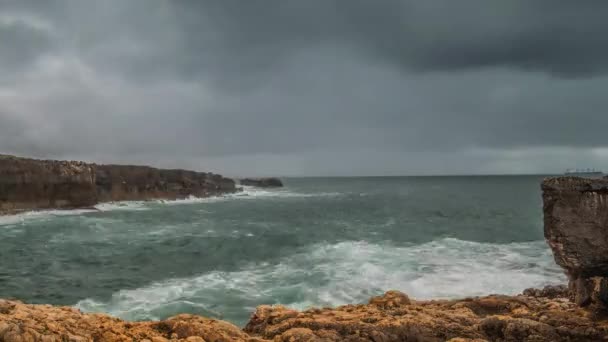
122 182
391 317
576 229
29 184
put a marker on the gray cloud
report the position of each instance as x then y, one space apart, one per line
307 87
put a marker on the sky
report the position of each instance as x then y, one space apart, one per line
308 88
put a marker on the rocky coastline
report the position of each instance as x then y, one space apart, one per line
576 229
538 315
31 184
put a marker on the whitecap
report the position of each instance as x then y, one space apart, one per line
348 272
122 205
22 218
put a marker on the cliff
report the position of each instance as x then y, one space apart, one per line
537 316
30 184
576 229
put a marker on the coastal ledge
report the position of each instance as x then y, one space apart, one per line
537 315
32 184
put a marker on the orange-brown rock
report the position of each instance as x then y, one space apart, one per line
391 317
43 323
30 184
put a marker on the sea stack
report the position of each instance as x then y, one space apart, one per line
576 229
31 184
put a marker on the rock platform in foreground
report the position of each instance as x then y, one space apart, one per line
391 317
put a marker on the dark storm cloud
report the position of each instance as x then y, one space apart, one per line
22 44
564 38
307 87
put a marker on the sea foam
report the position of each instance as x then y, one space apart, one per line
341 273
248 193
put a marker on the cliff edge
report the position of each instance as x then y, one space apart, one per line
31 184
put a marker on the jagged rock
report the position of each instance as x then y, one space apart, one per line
47 323
391 317
576 229
492 318
29 184
262 182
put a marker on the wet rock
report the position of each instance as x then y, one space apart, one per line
549 291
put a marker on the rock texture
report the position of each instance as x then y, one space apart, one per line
391 317
43 323
29 184
394 317
271 182
576 229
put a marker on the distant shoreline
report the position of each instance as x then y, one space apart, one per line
34 185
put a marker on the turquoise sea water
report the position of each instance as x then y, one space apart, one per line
316 242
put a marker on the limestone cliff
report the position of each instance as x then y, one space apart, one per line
30 184
576 229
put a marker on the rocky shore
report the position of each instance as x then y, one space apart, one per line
576 228
30 184
391 317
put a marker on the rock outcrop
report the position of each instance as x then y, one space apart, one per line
391 317
576 229
44 323
270 182
30 184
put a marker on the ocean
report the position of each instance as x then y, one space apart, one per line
316 242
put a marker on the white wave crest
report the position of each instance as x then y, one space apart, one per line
345 272
122 205
248 193
41 215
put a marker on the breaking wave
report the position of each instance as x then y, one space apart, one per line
247 193
345 272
